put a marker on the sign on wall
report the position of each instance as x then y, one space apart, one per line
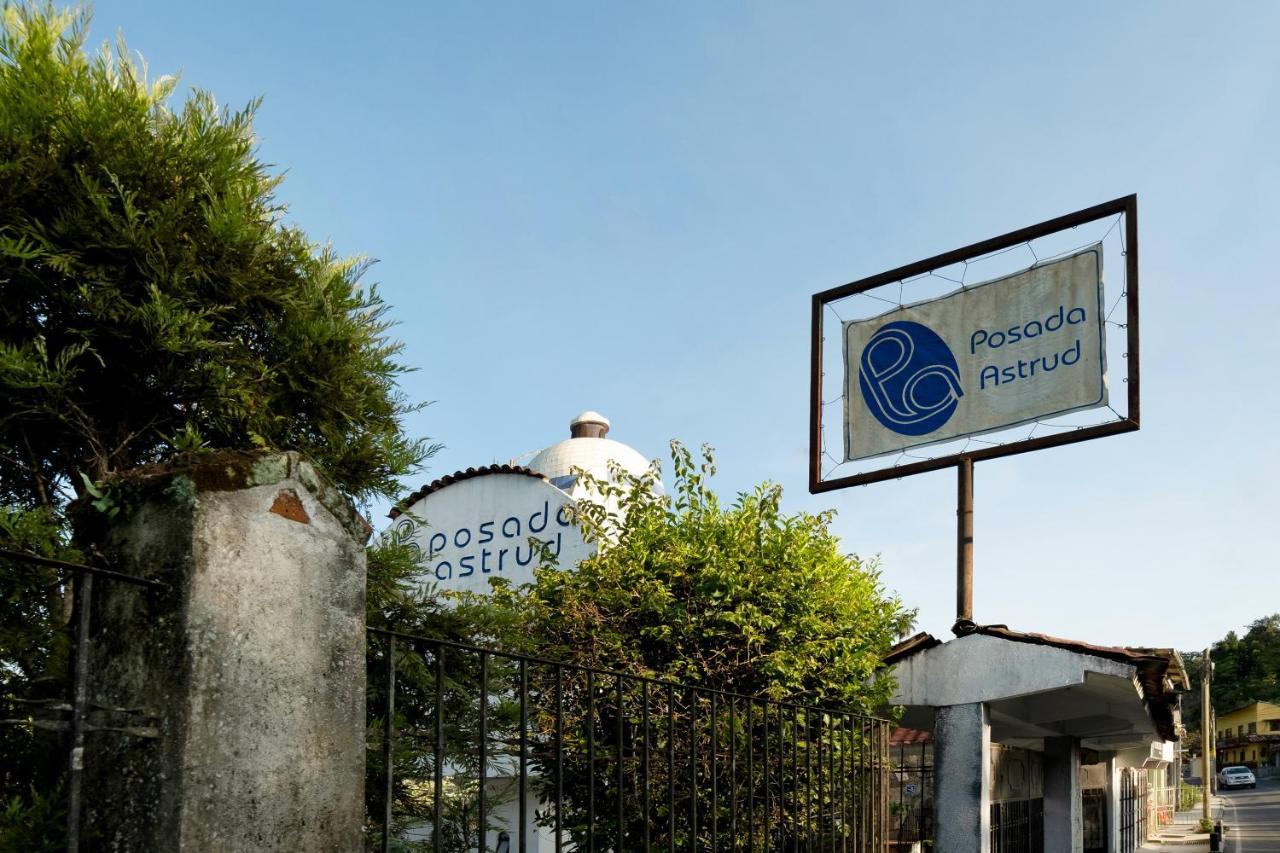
987 357
481 527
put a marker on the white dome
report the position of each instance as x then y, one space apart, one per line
590 451
590 454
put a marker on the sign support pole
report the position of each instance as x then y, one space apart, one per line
1206 732
964 548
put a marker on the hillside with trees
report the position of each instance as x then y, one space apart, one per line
1245 668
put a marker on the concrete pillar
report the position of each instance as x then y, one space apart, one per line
962 780
1113 801
1063 823
246 678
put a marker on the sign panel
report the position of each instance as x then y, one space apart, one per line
480 528
987 357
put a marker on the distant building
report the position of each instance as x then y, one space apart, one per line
1250 735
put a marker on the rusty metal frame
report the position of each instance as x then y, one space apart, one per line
1126 205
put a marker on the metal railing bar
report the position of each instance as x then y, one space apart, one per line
607 673
768 803
24 557
647 806
80 688
750 779
808 776
484 756
831 819
671 769
621 804
591 761
733 773
559 758
713 754
693 775
524 755
388 746
438 757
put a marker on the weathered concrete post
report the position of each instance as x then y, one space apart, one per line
1063 823
248 673
962 786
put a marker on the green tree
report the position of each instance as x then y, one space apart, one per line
1245 669
742 598
152 297
154 301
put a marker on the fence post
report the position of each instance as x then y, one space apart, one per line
252 663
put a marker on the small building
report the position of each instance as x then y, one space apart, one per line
486 523
1249 735
1042 743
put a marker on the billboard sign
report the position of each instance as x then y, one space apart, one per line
482 526
984 358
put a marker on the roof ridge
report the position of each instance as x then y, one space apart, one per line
458 476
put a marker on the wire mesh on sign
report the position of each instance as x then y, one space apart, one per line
886 295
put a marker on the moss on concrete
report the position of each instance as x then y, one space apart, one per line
182 481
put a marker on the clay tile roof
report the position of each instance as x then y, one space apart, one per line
910 646
1153 665
458 476
1117 653
909 737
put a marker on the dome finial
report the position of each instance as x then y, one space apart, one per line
589 425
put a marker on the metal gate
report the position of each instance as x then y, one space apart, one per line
1017 808
1133 809
1093 802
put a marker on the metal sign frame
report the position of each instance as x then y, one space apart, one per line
1126 205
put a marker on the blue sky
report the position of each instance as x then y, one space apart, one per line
626 207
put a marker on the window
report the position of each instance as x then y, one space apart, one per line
1253 728
1273 725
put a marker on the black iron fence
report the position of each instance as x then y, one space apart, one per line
505 751
479 749
70 714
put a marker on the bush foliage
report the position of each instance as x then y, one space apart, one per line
743 598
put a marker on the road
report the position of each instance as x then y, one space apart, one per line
1252 818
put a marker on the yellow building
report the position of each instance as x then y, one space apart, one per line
1249 735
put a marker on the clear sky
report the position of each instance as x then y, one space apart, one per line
626 207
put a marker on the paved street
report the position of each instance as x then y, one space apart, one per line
1252 818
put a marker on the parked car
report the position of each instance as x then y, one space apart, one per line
1236 777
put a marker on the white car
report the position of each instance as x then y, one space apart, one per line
1236 777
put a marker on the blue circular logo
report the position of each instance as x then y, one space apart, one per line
909 378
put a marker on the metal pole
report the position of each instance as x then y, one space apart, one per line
964 547
388 751
79 699
1206 777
